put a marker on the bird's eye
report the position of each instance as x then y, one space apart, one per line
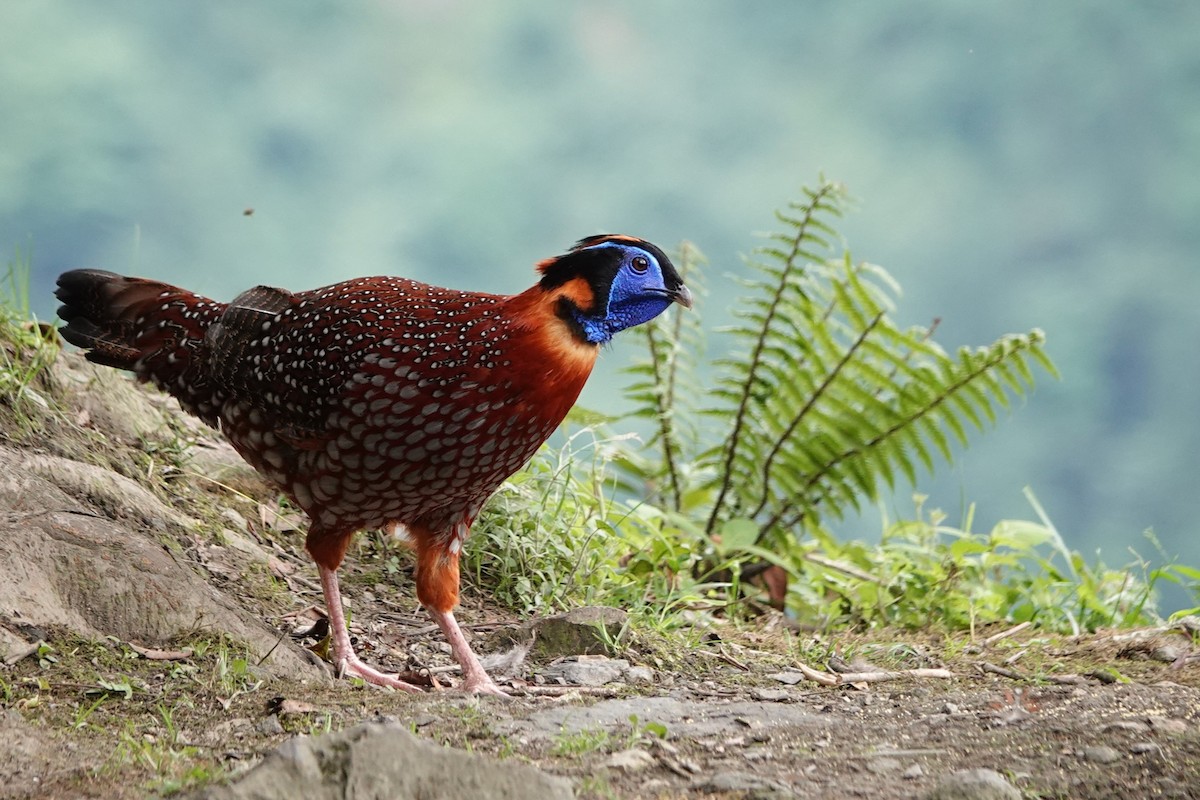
640 264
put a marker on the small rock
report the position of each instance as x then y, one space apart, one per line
372 760
790 678
883 766
1101 754
241 542
639 675
1142 748
770 695
951 709
633 760
974 784
748 784
1173 727
269 726
235 519
1167 653
912 773
587 671
590 630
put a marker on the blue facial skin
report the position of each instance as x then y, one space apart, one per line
633 298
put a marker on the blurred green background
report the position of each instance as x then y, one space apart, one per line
1018 164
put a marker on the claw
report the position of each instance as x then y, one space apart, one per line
484 685
351 665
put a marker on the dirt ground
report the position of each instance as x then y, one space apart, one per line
158 621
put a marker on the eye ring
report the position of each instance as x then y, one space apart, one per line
640 264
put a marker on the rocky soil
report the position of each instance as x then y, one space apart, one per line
160 633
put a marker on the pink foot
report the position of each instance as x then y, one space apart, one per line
345 662
475 677
352 666
482 684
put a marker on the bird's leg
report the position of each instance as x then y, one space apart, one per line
344 659
475 678
437 589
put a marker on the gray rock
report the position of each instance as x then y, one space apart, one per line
103 577
590 630
587 671
1168 653
789 678
30 754
269 726
770 695
639 675
376 760
1101 754
974 784
633 760
749 785
682 717
883 765
1173 727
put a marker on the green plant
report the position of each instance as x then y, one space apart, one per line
591 740
642 731
25 347
580 742
547 538
173 766
825 399
923 569
220 668
825 403
79 719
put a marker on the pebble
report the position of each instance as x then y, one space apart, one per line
974 784
639 675
269 726
632 760
883 766
1142 748
770 695
1173 727
743 782
587 671
1168 653
1101 754
912 773
235 519
790 678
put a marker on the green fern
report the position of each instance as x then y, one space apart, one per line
825 400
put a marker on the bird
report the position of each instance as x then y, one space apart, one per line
381 402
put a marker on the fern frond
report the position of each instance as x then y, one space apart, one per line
823 399
805 229
972 385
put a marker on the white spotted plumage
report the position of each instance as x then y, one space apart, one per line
381 402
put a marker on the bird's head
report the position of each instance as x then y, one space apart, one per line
608 283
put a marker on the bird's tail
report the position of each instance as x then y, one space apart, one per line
155 330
